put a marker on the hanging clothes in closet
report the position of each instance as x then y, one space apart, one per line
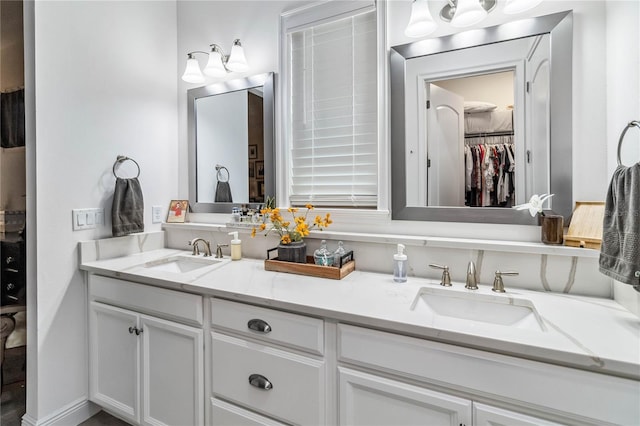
489 171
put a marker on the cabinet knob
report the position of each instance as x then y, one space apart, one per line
132 330
135 330
259 325
10 286
260 382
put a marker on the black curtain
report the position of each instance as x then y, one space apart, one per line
12 118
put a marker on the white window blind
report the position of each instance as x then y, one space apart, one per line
333 112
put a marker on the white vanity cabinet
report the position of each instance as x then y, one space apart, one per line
146 369
395 377
266 361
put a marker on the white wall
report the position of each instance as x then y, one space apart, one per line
105 84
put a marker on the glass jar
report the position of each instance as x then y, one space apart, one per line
323 256
340 251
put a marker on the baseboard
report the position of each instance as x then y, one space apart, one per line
71 414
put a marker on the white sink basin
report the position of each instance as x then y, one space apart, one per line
444 306
181 264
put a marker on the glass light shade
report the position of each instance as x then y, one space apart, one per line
517 6
468 12
237 62
192 73
421 22
214 67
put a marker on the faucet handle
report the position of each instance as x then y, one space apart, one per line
498 284
195 250
446 278
219 250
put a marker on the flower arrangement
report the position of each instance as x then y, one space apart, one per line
291 230
535 204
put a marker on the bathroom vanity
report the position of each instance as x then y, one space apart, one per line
172 342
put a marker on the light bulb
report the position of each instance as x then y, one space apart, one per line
192 73
421 22
237 62
468 13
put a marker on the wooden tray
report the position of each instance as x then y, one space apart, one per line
310 268
585 229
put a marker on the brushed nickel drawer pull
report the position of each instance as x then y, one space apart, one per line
259 325
260 382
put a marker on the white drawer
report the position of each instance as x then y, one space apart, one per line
567 390
225 414
156 301
296 331
296 393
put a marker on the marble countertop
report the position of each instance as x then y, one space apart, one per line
588 333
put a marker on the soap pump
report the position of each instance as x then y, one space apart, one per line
236 246
400 265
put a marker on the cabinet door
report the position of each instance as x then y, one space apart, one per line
172 373
114 360
224 414
369 400
485 415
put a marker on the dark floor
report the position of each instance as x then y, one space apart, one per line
14 393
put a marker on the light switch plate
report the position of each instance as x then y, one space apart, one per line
156 214
87 218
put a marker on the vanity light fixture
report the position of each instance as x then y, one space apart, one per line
218 64
459 13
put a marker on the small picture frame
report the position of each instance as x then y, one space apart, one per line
253 151
177 211
252 170
260 169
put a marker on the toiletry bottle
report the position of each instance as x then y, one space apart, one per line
236 246
400 265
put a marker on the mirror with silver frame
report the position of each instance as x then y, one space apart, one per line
428 144
231 144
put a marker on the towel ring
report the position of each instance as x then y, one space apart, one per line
219 169
121 159
630 125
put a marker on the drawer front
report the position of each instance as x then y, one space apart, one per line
287 386
159 302
296 331
224 414
495 376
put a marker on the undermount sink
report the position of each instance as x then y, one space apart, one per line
182 264
447 306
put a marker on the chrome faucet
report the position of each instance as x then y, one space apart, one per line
472 279
207 247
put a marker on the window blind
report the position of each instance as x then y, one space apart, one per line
333 114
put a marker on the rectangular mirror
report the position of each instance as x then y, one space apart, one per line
481 120
231 135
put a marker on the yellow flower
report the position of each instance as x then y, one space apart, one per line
253 232
318 221
263 226
309 207
292 209
285 239
294 230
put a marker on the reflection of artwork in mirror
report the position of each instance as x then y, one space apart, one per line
253 151
252 172
260 169
474 166
253 189
177 211
261 188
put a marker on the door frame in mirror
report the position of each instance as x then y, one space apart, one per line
266 81
560 27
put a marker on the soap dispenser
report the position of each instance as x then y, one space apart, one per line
400 265
236 246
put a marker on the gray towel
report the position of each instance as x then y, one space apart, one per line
223 193
127 211
620 250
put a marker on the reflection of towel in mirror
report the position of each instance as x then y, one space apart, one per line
127 211
223 193
620 251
